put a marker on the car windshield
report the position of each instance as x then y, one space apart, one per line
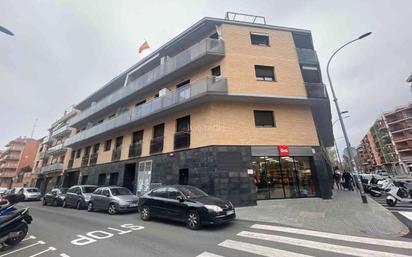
192 192
120 191
88 190
63 190
32 190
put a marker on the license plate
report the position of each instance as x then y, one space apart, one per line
230 212
133 205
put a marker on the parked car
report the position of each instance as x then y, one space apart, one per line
3 191
55 197
30 193
114 199
78 196
185 203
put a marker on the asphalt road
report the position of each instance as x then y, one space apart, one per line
72 233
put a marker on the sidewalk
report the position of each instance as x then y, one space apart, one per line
344 214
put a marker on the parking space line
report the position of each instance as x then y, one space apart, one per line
28 238
20 249
207 254
64 255
47 250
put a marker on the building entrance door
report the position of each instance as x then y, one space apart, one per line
129 176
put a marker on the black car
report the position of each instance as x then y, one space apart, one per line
185 203
55 197
78 196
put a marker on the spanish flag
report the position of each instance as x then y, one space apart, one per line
144 46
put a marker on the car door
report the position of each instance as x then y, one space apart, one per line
158 198
70 195
95 198
174 208
51 196
76 196
105 198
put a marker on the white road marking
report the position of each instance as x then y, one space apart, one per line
28 238
406 214
259 250
20 249
318 245
47 250
207 254
357 239
64 255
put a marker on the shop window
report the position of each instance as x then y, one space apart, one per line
101 180
302 40
114 177
311 74
107 145
260 39
265 73
264 119
216 71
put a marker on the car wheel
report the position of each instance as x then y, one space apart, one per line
64 205
90 207
193 220
22 232
112 209
79 205
44 202
145 213
391 202
55 203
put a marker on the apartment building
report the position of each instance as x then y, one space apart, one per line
52 153
235 108
399 123
16 162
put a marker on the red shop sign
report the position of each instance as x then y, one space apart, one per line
283 150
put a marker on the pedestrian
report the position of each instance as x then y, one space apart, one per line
347 177
337 176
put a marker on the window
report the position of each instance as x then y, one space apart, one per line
302 40
137 137
173 193
87 151
107 145
140 103
183 124
78 153
72 154
265 73
311 74
216 71
119 141
181 84
158 130
214 36
105 192
160 192
264 119
111 116
260 39
96 148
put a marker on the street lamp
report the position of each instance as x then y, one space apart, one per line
348 145
6 31
334 140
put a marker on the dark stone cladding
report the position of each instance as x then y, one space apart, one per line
218 170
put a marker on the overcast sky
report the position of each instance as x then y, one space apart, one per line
64 50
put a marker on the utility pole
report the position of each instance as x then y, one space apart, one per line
34 127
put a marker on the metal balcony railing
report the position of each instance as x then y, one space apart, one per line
93 158
85 161
117 153
156 145
182 139
70 164
316 90
58 166
62 130
170 99
307 56
59 147
135 149
205 47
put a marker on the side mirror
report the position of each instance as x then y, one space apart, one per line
180 198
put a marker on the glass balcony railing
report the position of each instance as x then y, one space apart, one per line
61 130
167 101
205 47
307 56
316 90
58 166
56 148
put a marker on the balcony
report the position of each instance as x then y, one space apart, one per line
172 99
60 132
85 161
70 164
182 139
56 149
135 149
12 157
307 56
316 90
93 158
117 153
207 50
58 166
156 145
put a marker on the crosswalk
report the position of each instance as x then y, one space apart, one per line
279 241
404 209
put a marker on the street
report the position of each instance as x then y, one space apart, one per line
70 233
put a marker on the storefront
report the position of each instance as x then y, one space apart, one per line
286 176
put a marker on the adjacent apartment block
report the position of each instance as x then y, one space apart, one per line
235 108
16 162
52 153
388 144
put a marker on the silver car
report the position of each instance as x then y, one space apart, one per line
30 193
113 199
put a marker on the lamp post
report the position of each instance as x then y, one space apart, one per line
336 145
348 145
